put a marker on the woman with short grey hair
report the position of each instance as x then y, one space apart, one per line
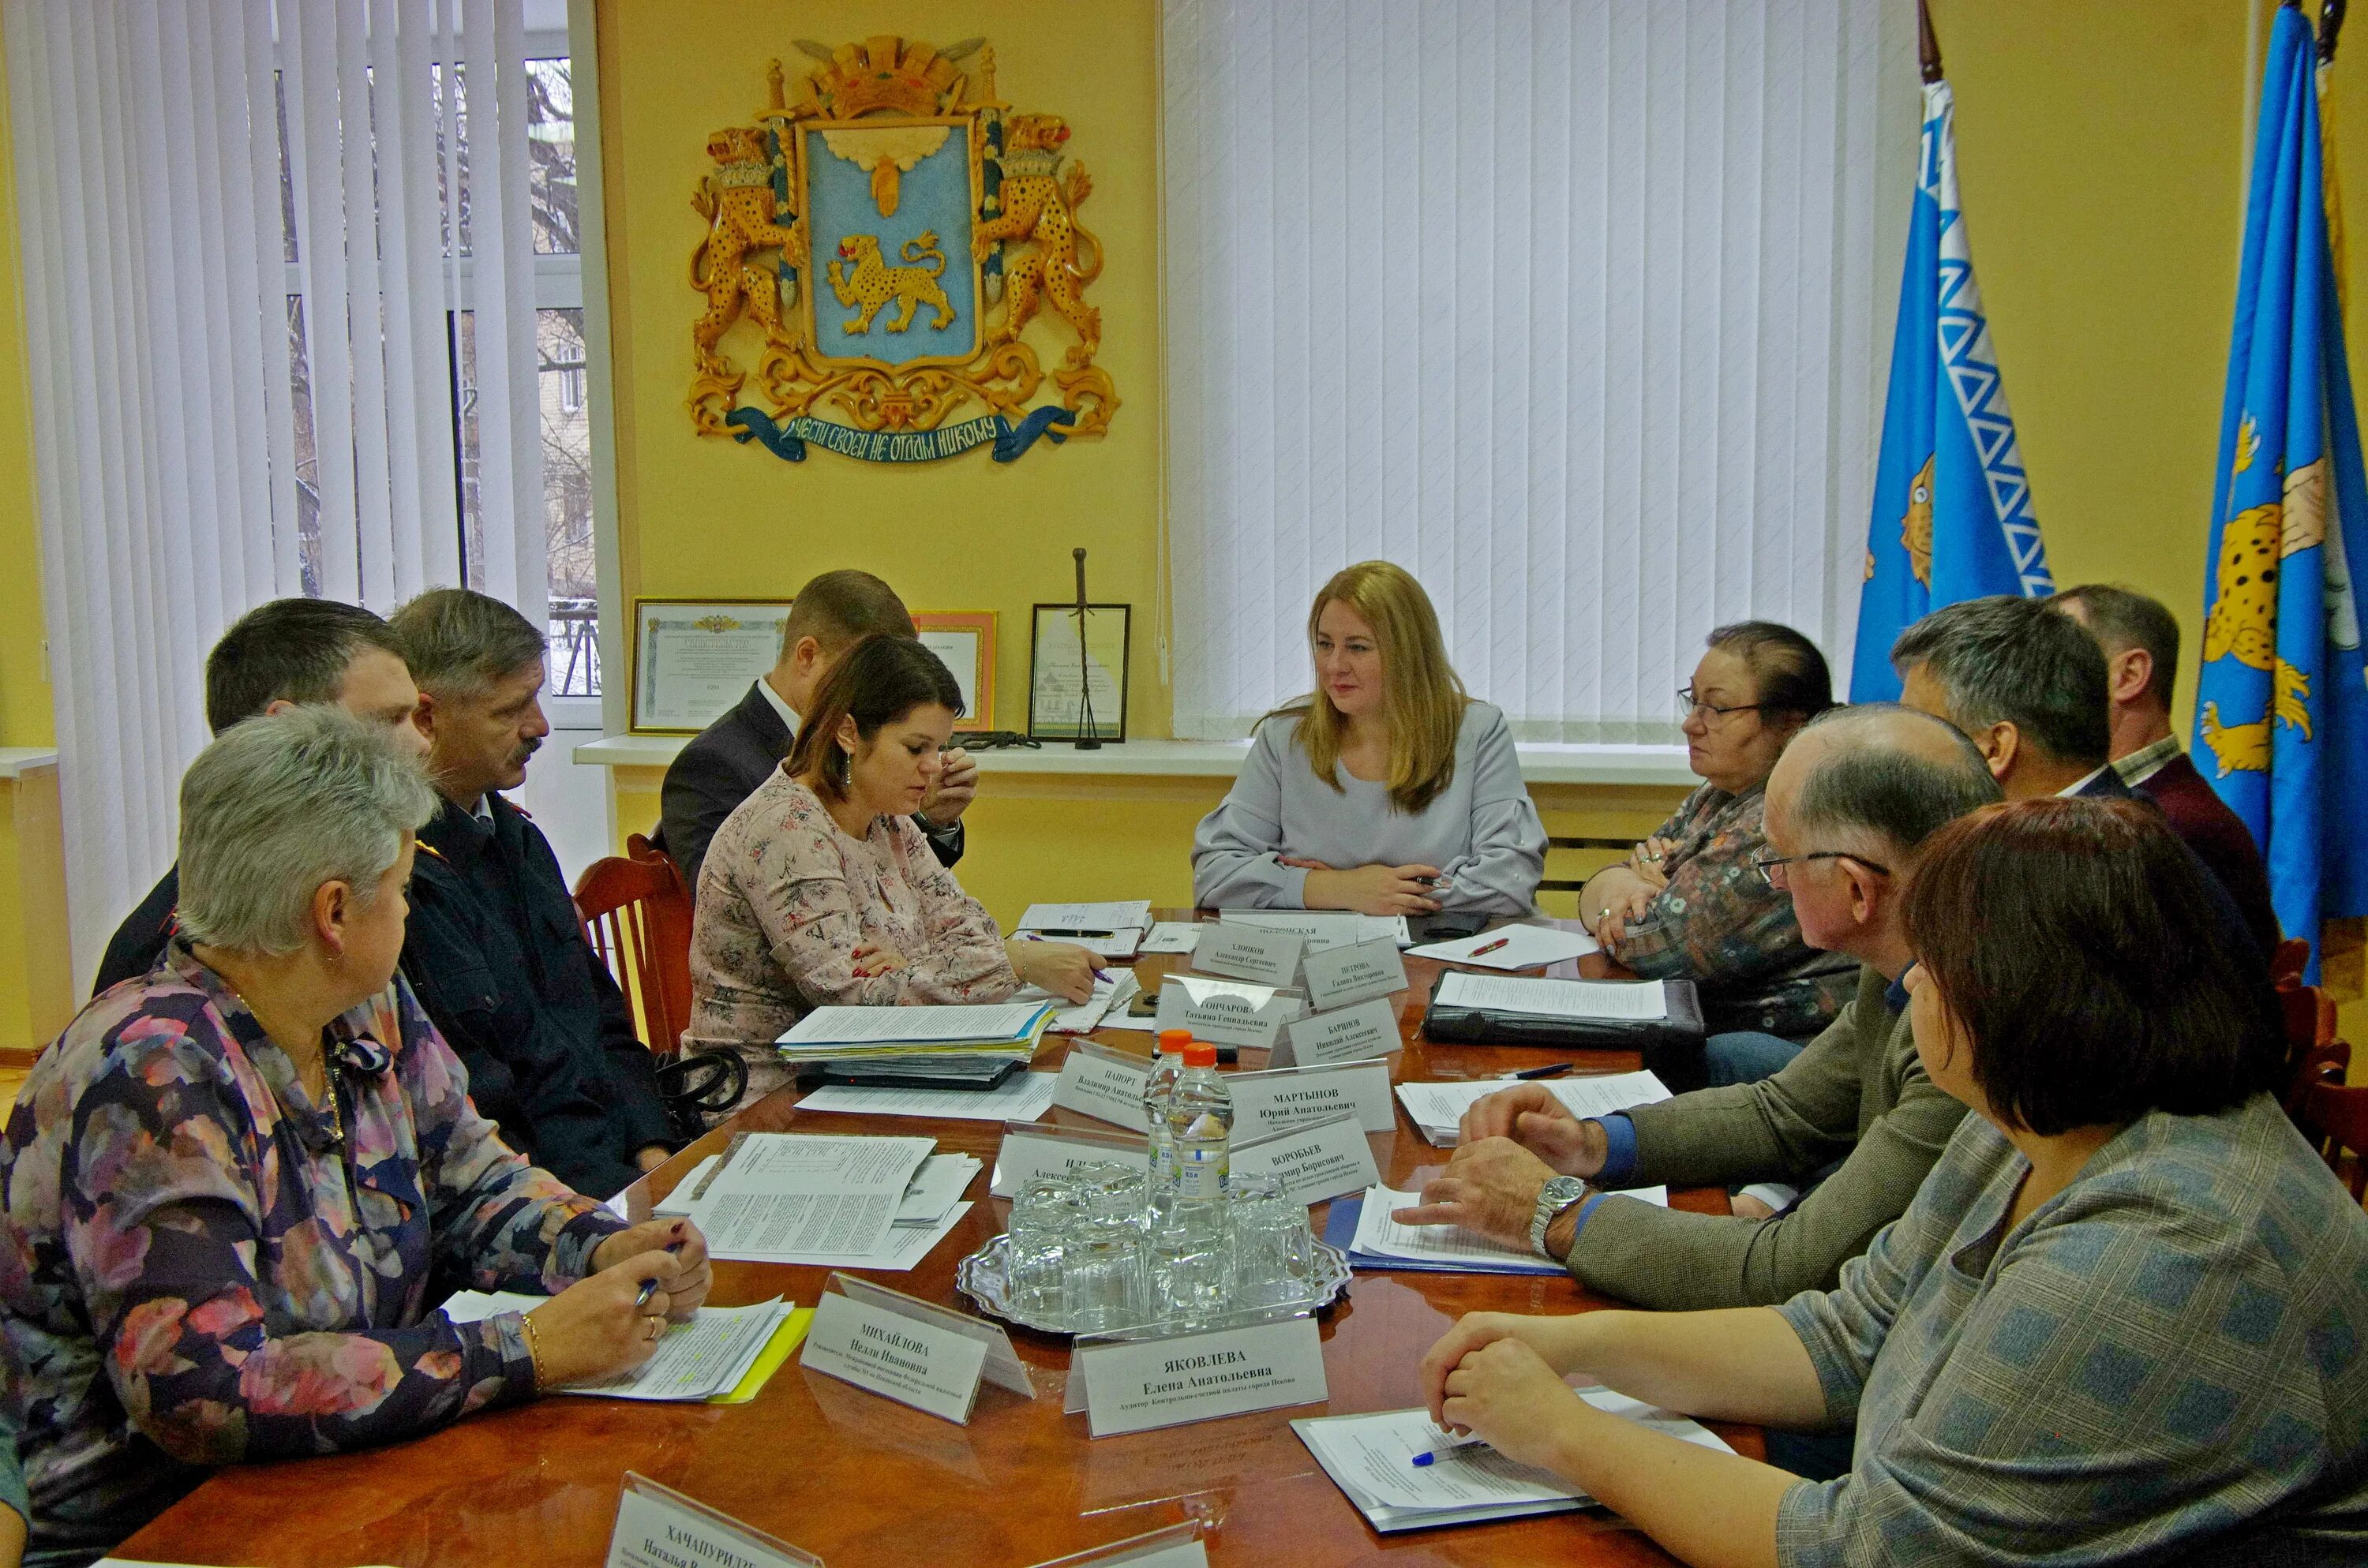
229 1183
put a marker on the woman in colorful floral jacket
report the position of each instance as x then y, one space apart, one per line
227 1186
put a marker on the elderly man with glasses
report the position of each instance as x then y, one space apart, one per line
1849 805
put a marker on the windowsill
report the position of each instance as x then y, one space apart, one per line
1542 763
17 761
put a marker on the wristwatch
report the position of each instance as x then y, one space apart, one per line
1558 1194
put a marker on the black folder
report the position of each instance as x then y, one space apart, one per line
1672 1046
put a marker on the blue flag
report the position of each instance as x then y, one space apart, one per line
2281 705
1952 516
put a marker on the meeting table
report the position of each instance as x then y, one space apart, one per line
859 1480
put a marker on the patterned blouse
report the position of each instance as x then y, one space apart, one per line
2165 1362
1720 925
785 896
200 1271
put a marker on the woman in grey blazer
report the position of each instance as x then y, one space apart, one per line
1388 790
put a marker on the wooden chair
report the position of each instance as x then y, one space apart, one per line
2335 1119
636 913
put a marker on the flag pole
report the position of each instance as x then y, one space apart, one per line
2330 27
1928 45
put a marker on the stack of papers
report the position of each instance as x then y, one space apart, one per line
1512 947
936 1188
1023 1097
1324 929
704 1358
1381 1242
935 1042
1371 1458
1172 936
829 1202
1629 1001
1113 930
1114 989
1437 1109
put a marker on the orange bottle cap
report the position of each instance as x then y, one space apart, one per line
1199 1053
1174 1039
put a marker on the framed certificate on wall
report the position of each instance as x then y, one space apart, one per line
1074 680
964 639
694 658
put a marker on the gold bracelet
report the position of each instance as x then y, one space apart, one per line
533 1347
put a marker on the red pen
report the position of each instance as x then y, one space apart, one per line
1484 953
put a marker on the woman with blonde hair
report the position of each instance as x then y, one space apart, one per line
1387 790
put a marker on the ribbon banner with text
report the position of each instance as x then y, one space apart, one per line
787 439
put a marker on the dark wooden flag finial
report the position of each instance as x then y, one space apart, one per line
1928 47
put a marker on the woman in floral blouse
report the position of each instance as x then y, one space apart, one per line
1689 903
227 1183
819 889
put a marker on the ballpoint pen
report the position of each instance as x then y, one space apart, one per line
1447 1449
650 1287
1546 1071
1492 947
1056 931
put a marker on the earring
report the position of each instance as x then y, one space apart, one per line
845 769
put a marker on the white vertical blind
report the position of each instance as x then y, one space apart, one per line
1568 306
149 161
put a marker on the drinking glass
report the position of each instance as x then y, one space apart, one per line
1190 1265
1274 1253
1043 1227
1103 1277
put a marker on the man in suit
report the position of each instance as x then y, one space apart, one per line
494 948
724 763
2140 637
2028 685
277 655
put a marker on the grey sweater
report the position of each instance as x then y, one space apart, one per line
1857 1093
1481 830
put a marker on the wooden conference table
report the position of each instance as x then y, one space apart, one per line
859 1480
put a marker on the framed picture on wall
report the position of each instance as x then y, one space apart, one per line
964 639
1071 678
694 658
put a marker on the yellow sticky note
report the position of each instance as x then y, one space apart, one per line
777 1350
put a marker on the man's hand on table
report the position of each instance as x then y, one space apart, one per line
1530 1115
1490 1188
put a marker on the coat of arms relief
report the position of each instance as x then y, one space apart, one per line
878 244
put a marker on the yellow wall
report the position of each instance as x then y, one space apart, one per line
35 976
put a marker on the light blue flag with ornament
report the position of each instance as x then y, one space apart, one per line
2282 704
1953 517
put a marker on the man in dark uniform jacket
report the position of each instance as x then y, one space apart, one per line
494 948
724 763
280 655
2140 637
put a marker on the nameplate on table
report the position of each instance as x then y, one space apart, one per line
1248 952
1144 1384
1353 1034
924 1365
1282 1099
1312 1163
1341 977
1104 1084
1032 1150
659 1527
1226 1012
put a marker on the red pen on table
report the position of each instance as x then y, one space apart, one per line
1484 951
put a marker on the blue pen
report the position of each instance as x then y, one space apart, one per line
650 1287
1447 1449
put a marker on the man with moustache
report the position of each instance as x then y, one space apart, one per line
494 948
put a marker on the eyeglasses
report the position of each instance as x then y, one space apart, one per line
1691 706
1770 865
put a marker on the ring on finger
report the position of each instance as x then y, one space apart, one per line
656 1326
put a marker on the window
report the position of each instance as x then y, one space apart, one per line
1571 311
563 406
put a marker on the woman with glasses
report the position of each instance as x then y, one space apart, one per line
1387 790
2123 1321
1689 903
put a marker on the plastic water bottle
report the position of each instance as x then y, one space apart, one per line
1165 1068
1200 1130
1190 1243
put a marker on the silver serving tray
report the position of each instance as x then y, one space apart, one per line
985 1278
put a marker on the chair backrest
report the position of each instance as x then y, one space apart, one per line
636 915
2335 1119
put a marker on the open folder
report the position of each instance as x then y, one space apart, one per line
1650 1016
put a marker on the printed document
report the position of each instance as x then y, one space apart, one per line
1023 1097
951 1025
1172 936
937 1187
1061 921
1627 1000
1522 947
694 1360
798 1194
1437 1109
1450 1249
1116 990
